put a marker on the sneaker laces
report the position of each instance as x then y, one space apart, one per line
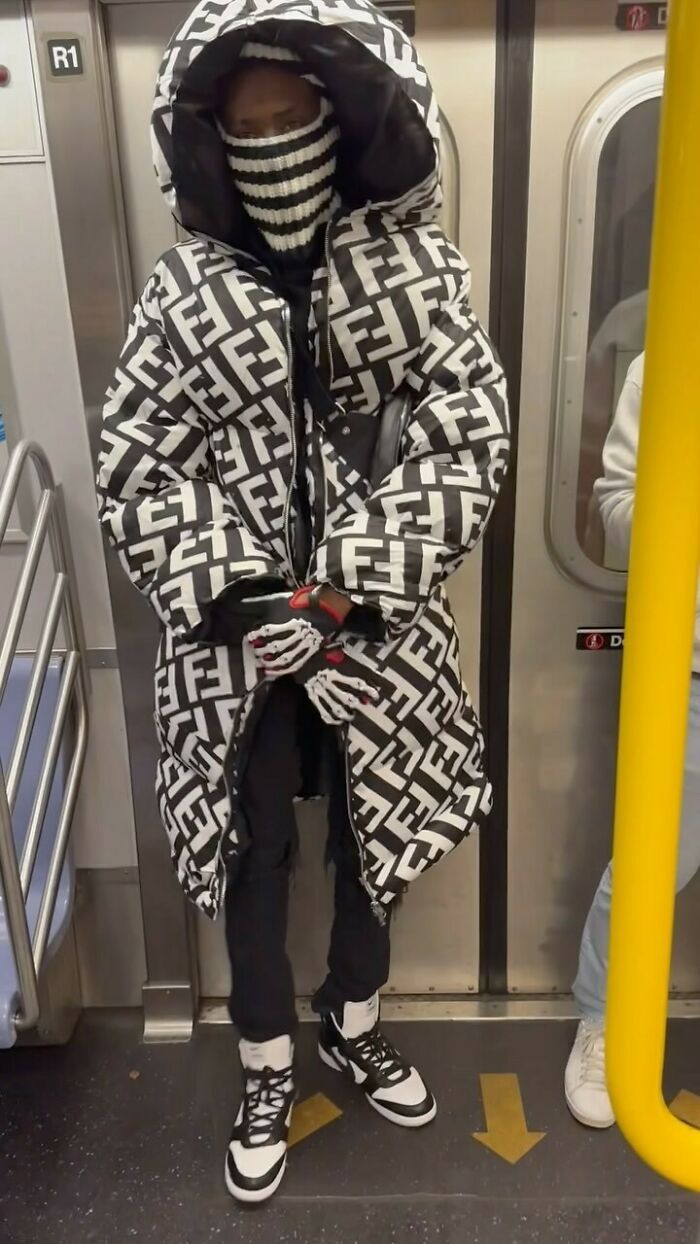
375 1051
267 1094
593 1056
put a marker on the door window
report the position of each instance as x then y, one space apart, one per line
612 174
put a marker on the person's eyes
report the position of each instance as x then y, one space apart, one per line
287 126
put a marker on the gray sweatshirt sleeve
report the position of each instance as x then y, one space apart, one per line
615 489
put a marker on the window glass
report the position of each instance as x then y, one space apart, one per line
449 162
618 302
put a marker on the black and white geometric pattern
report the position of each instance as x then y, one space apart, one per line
196 481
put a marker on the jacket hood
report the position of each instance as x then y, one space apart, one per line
388 115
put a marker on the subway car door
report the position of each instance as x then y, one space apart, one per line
437 935
596 107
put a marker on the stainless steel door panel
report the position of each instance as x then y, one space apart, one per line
563 702
137 35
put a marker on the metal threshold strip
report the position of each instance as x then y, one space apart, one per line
442 1009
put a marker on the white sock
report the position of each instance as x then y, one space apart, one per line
360 1017
277 1054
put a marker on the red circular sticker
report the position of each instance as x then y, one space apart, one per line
638 17
594 643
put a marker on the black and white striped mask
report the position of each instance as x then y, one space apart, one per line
286 183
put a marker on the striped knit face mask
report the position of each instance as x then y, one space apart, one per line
286 182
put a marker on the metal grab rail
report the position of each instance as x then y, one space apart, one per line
659 635
16 875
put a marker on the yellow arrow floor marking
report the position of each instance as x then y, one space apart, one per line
686 1106
506 1127
310 1116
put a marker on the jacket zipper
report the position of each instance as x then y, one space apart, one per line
327 250
323 500
292 423
324 480
377 909
232 790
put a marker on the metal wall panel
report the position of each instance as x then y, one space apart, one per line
563 703
136 38
45 400
20 125
40 397
103 822
109 936
80 138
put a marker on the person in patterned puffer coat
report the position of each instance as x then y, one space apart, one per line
305 436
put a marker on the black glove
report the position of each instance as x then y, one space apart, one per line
294 629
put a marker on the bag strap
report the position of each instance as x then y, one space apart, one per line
392 425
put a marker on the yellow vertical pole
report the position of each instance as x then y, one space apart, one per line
659 634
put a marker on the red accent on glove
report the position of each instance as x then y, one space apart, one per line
300 600
335 656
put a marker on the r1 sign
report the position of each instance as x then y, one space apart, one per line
65 57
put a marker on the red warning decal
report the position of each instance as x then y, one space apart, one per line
604 639
640 17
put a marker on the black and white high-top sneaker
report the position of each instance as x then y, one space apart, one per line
256 1158
354 1043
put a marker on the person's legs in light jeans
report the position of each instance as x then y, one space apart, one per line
590 986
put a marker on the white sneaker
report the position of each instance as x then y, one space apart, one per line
584 1082
256 1158
352 1042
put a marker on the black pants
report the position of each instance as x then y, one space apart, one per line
257 898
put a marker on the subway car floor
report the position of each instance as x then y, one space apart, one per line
109 1140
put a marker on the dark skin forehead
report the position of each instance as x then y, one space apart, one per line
262 101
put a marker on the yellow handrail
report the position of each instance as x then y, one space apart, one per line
659 634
